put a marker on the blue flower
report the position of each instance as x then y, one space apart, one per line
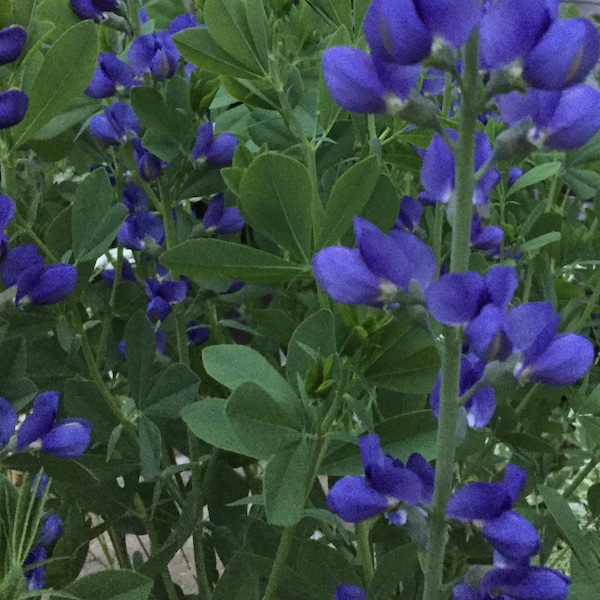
386 485
162 295
140 230
111 75
12 42
218 219
8 422
154 53
558 120
149 166
93 9
196 334
345 591
13 106
378 271
216 151
116 124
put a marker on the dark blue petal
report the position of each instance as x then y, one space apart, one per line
528 583
36 576
183 21
54 284
418 257
566 360
514 174
480 408
395 32
530 322
158 309
7 210
196 335
141 53
486 238
19 260
463 592
512 535
564 56
511 28
85 9
135 197
221 150
39 421
455 298
437 172
410 213
51 530
501 283
204 140
398 79
514 480
488 334
575 119
343 276
451 20
345 591
12 43
352 80
149 166
8 421
418 465
13 106
69 438
353 500
479 501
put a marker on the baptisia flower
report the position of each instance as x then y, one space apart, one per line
116 124
12 42
63 438
140 230
7 211
382 270
559 120
52 528
486 238
162 295
38 284
525 39
111 75
437 172
154 53
94 9
13 106
218 219
345 591
387 485
149 166
489 507
216 151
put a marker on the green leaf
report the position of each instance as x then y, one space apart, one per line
65 72
338 13
232 365
348 197
140 351
208 421
150 447
535 175
112 585
261 424
227 21
94 222
217 258
275 201
176 387
541 241
567 523
316 332
285 484
268 127
406 360
389 574
198 47
160 144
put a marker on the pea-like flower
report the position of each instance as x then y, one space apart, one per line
116 124
218 219
12 42
154 53
111 75
216 151
13 106
94 9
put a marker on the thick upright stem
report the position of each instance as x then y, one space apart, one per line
460 212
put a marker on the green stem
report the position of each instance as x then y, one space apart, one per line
590 306
438 230
528 397
120 549
592 464
285 544
461 211
528 282
363 549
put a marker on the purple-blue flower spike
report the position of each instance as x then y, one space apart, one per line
564 56
111 75
12 42
93 9
13 106
8 421
345 591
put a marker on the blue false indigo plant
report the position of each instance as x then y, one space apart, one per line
312 283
